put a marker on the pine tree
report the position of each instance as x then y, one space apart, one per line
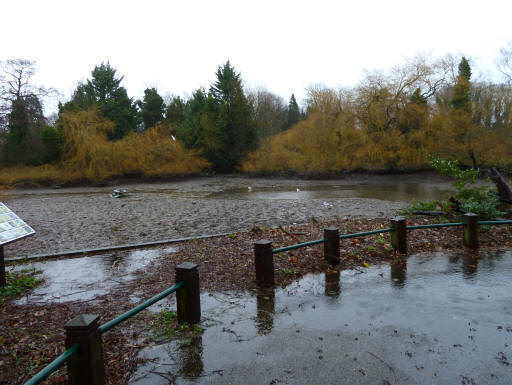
465 132
461 99
104 90
293 112
190 132
18 125
152 108
235 128
175 112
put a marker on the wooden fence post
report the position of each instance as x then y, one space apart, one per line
399 235
332 245
3 279
264 263
471 230
188 299
86 367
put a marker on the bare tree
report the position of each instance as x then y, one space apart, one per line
270 111
505 62
15 86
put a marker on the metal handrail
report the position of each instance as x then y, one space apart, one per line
387 230
60 360
433 226
130 313
53 366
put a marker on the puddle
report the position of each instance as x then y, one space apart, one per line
85 278
437 318
383 191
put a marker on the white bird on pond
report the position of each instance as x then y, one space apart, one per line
298 189
173 138
249 188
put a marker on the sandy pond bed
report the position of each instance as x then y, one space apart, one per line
87 217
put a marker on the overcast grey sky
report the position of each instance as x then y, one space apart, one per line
176 46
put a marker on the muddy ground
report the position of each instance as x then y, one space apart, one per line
87 217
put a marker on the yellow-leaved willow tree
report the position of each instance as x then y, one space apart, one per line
89 155
153 152
395 121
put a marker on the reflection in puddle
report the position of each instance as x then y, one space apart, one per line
332 283
265 302
85 278
398 270
430 313
190 359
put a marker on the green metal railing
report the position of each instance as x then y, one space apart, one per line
365 233
386 230
53 366
505 222
130 313
435 225
60 360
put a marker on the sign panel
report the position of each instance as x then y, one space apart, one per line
12 227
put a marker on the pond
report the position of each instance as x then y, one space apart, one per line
400 191
89 217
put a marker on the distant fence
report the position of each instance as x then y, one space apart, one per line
264 253
84 354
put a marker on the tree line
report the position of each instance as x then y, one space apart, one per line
222 123
396 120
390 120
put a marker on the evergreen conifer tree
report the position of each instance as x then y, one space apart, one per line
152 108
104 90
235 129
461 99
175 112
293 112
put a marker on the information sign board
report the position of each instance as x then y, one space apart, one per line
12 227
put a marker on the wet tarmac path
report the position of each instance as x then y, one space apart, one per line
430 319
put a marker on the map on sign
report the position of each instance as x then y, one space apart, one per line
11 226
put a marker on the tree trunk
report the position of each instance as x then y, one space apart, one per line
504 190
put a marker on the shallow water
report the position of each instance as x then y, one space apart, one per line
85 278
85 217
431 319
400 191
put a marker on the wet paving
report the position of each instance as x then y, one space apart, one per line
85 278
430 319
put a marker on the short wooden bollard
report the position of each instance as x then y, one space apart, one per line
332 245
471 230
188 299
3 280
399 235
264 263
86 367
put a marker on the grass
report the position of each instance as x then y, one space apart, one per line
19 282
165 324
419 206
